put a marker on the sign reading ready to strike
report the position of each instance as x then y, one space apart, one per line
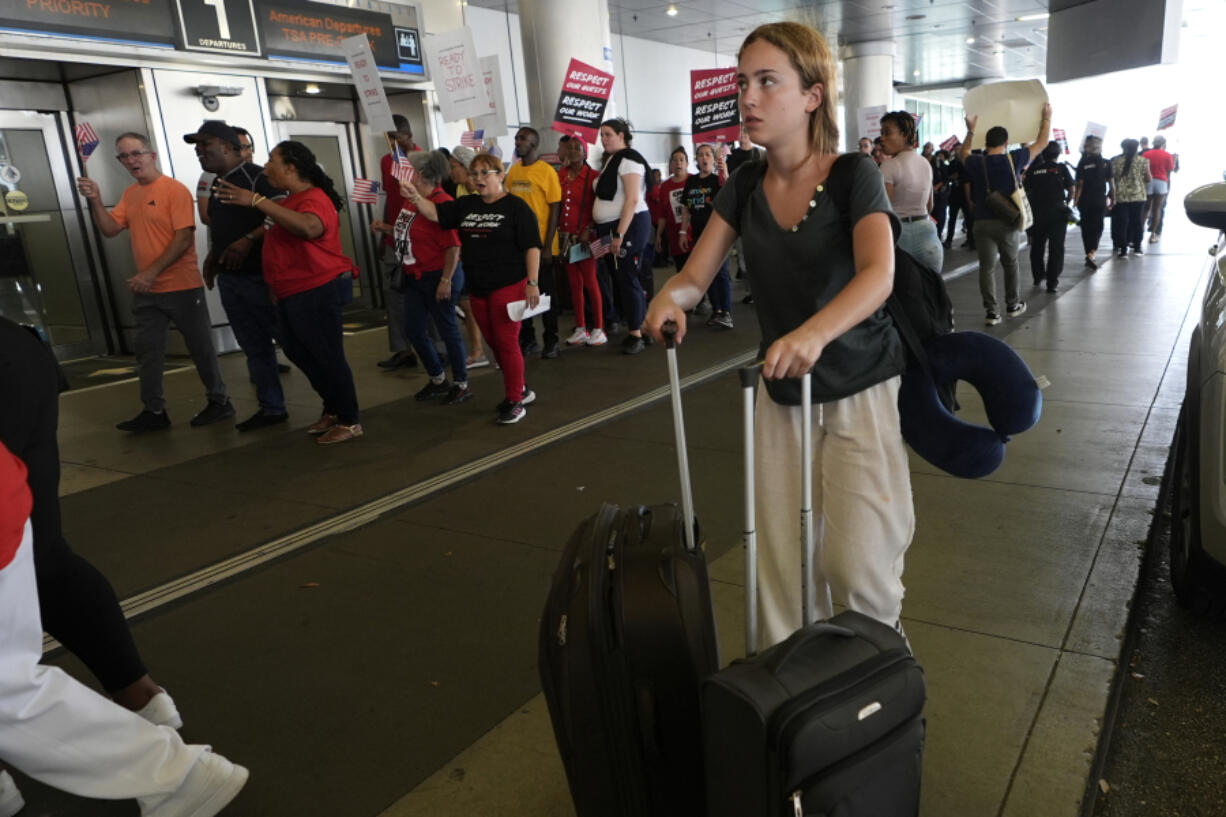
714 106
585 94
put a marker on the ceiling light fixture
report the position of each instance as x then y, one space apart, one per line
1028 18
970 40
672 10
311 88
916 16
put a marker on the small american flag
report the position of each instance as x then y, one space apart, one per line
473 139
87 140
601 246
365 191
949 143
401 169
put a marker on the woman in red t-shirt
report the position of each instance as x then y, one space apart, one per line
575 230
304 265
429 257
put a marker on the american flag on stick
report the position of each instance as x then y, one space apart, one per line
949 143
474 139
601 247
401 169
87 140
365 191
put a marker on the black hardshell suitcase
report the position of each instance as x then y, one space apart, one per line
828 722
627 636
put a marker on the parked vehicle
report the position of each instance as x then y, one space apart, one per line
1198 530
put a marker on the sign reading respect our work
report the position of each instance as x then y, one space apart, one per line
316 31
585 95
713 105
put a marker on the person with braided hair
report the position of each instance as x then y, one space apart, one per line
908 185
304 265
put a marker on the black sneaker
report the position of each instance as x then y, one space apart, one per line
284 368
1137 250
1090 263
992 318
502 406
632 345
261 420
722 320
550 351
146 421
530 348
433 390
458 394
1051 289
213 413
748 299
1015 310
401 360
513 414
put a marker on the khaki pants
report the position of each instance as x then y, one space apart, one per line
862 509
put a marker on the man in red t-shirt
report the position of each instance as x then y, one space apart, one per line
402 351
1161 165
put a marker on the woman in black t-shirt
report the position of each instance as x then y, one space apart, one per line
819 291
500 243
698 196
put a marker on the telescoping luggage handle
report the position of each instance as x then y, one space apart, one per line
749 379
669 331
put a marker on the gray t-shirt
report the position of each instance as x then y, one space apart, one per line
798 273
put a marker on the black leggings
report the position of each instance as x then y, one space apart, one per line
1091 227
78 606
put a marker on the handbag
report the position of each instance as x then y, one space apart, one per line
1014 209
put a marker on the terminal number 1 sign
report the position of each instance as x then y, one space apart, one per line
221 26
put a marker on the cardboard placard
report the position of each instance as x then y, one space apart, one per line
714 114
1015 106
457 75
870 121
581 105
1092 129
371 95
1166 119
494 122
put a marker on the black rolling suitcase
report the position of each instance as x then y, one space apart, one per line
828 722
627 636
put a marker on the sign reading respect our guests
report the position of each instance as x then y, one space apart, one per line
581 105
713 105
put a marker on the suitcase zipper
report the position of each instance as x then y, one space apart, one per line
785 721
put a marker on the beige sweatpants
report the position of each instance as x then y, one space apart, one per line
862 510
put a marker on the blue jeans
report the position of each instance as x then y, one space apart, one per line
720 291
313 338
923 242
626 267
254 321
421 303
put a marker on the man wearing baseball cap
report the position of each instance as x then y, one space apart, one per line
236 236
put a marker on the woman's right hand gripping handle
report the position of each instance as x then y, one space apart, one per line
664 316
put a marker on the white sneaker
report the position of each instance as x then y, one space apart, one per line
11 800
597 338
160 711
208 788
580 335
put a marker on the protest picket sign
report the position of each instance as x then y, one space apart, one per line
494 122
1093 129
1016 106
1058 135
371 95
1167 118
581 105
715 117
457 75
870 121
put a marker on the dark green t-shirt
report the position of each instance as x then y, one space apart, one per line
798 273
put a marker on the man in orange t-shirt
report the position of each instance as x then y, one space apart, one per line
159 214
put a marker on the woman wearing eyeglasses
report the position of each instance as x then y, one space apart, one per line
500 243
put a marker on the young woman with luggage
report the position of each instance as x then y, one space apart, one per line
819 291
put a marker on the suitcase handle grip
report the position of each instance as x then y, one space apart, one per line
668 330
804 636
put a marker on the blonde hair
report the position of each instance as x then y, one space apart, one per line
809 54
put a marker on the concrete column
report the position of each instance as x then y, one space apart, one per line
553 32
868 79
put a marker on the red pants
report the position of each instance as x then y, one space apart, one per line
502 335
582 276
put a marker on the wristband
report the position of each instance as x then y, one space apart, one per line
251 237
615 234
256 198
533 284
